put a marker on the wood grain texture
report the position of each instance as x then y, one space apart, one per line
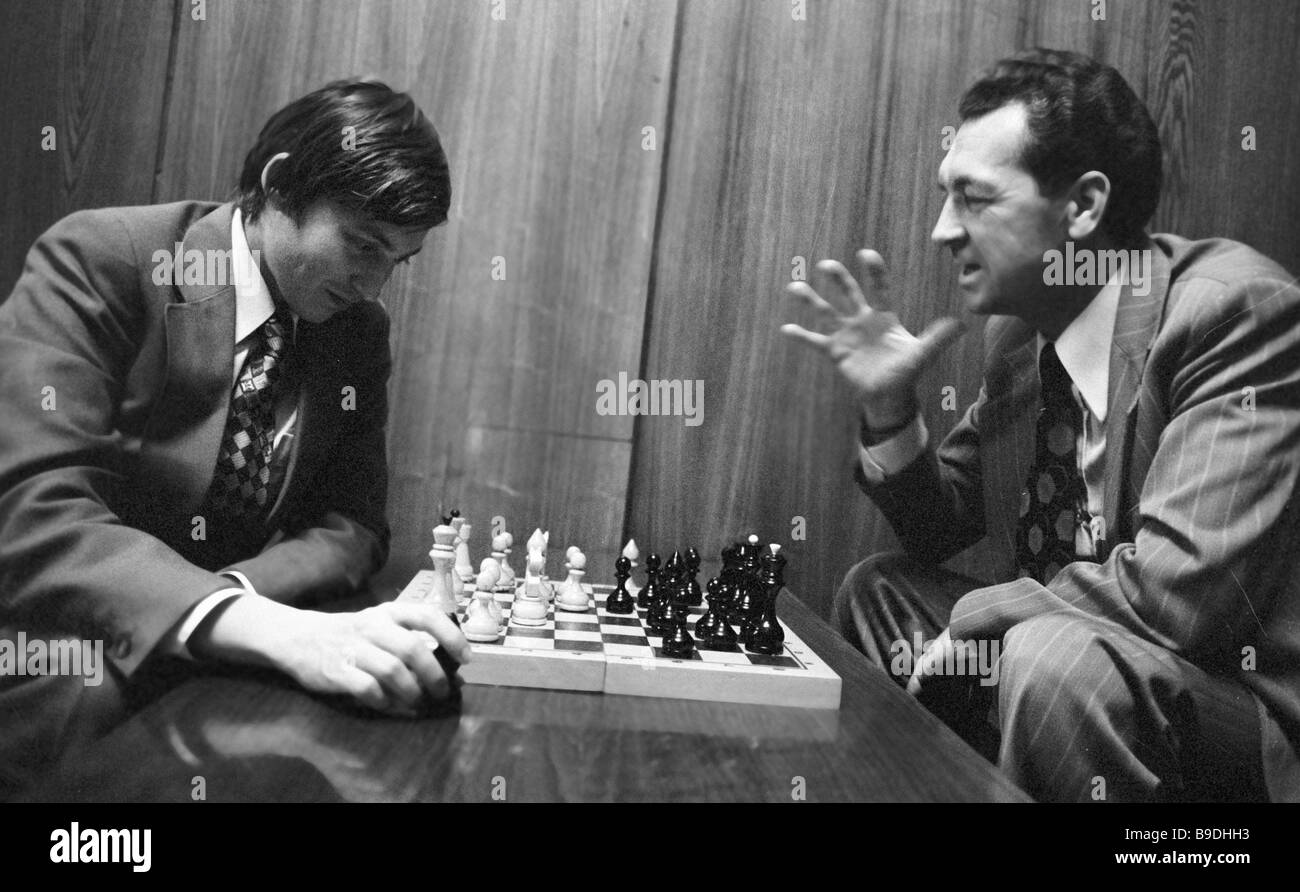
784 139
97 73
815 138
258 740
494 384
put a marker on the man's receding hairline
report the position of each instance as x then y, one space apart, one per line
1025 137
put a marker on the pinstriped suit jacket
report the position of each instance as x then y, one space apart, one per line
1202 462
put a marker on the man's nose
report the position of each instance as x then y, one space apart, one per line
369 282
947 229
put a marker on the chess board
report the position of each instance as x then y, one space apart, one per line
616 654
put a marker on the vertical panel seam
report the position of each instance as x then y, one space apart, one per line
165 114
674 60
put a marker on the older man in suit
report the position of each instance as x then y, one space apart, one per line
193 450
1132 456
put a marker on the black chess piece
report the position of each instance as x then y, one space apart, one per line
720 634
675 578
714 607
764 634
747 602
694 597
730 576
651 581
620 600
677 640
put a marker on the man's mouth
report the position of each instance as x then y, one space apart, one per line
969 269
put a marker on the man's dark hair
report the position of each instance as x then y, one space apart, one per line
1082 116
359 143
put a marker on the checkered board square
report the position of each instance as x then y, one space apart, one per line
595 650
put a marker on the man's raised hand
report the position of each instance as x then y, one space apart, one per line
879 358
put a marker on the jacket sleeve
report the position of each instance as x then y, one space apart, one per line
1217 519
69 333
340 534
936 504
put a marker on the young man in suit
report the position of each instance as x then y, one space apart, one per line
1132 457
193 450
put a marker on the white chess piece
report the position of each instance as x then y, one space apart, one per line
440 593
530 607
631 552
480 623
571 596
499 544
464 566
494 567
535 572
507 572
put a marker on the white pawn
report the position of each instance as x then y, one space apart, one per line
571 596
480 623
464 566
440 593
507 572
499 544
631 552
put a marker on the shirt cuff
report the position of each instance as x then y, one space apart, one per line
242 580
176 643
891 456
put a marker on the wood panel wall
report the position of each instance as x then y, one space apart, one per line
776 141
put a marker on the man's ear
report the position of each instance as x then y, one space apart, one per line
266 172
1086 205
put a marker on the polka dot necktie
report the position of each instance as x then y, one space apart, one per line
240 486
1053 493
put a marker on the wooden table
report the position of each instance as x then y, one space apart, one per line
256 738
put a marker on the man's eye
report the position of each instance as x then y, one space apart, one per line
969 200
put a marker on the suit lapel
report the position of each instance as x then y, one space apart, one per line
1009 422
189 417
310 369
1137 320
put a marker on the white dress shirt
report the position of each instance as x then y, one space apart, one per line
1084 351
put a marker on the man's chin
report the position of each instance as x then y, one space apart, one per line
979 302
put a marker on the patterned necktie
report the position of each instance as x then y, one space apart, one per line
1053 493
239 488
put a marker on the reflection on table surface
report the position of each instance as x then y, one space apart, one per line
255 737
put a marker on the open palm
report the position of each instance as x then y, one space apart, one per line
879 358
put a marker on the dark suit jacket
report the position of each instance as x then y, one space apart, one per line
98 494
1202 462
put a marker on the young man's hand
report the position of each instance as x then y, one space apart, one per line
378 656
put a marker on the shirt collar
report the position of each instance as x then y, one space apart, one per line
1084 347
253 302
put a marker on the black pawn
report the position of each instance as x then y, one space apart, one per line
651 589
706 620
677 640
719 634
620 600
732 576
747 602
765 635
694 597
674 578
